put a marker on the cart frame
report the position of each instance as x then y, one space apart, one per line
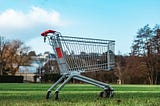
68 72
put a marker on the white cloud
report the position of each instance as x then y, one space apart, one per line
37 44
27 25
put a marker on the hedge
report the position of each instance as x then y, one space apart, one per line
51 77
11 79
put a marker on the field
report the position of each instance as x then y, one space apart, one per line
26 94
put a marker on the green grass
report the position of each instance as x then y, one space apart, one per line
78 95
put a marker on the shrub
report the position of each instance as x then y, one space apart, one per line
51 77
11 79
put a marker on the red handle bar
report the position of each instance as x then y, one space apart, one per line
47 32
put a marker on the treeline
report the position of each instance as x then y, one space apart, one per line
143 63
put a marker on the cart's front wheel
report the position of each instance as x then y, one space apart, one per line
48 95
56 95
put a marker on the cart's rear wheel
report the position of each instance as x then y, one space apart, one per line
106 93
56 97
48 95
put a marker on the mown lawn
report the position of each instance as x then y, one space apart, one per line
26 94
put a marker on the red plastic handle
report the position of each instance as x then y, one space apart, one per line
47 32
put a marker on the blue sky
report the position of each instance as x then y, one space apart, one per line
117 20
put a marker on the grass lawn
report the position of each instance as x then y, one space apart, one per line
25 94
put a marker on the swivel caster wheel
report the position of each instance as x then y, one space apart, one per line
56 97
48 95
106 93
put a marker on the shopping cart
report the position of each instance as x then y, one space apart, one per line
77 55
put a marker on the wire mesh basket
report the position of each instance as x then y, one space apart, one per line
86 54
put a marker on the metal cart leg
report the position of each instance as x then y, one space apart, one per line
61 86
55 84
107 90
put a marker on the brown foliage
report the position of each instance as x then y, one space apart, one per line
13 55
147 47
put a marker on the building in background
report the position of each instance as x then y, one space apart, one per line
37 67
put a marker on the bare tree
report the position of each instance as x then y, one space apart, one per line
3 44
13 54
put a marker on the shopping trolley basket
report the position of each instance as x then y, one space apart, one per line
76 55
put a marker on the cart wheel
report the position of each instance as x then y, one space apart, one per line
101 94
56 95
48 95
109 92
106 93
